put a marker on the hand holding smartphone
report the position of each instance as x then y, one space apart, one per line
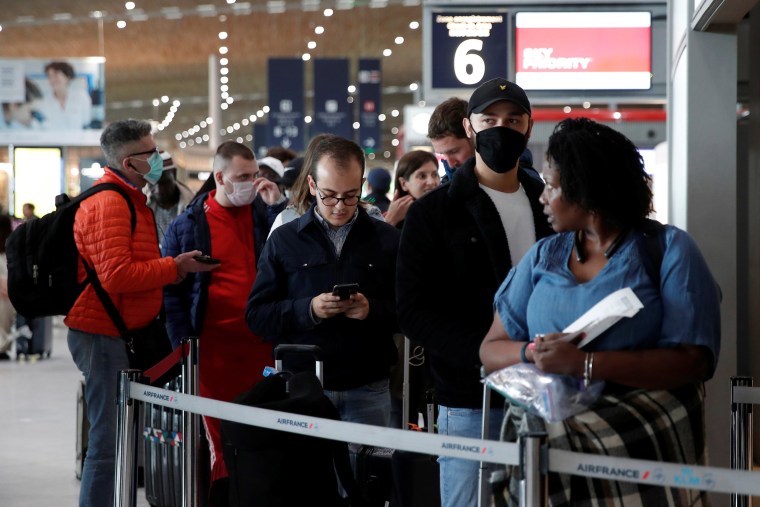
344 290
205 259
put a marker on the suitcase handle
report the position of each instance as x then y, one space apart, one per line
290 348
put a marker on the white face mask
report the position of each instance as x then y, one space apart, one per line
242 193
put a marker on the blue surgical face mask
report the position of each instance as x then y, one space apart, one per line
156 169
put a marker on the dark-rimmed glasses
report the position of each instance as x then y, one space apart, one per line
154 150
331 200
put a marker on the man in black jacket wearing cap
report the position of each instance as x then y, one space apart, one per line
457 246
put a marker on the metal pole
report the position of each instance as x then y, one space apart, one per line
191 424
214 107
484 494
405 387
741 437
125 485
532 465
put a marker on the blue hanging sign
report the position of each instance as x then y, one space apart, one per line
370 81
286 103
332 114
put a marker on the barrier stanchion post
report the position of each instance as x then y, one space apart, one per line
484 492
741 437
125 486
191 424
405 387
533 468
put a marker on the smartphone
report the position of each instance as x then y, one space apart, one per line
205 259
344 290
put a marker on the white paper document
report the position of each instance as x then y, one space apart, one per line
619 304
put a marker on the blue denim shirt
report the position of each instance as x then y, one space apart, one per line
541 295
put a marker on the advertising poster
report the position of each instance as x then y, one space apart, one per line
52 101
332 112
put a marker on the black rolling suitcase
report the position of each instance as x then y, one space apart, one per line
399 478
82 431
269 468
40 344
162 446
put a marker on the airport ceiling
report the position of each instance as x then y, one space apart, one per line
165 46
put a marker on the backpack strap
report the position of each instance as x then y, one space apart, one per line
652 248
63 198
108 303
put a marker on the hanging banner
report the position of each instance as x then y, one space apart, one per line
52 101
286 103
332 114
260 138
370 79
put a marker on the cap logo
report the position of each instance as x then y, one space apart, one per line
503 87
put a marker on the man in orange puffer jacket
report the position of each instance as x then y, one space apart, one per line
132 271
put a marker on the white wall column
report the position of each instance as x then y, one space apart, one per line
702 136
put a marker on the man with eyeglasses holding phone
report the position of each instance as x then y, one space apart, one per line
295 298
133 273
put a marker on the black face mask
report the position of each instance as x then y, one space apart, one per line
500 147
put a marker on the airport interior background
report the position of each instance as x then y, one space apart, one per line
207 71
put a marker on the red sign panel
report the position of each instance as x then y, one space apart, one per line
583 50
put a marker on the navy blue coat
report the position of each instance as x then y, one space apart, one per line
299 262
185 303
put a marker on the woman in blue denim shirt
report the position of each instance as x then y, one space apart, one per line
597 196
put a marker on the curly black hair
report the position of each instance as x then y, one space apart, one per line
601 171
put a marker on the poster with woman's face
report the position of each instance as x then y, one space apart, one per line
58 101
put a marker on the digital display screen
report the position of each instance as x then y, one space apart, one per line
583 50
467 48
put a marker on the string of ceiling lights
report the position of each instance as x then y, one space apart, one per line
189 137
186 138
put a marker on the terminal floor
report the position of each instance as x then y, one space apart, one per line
37 430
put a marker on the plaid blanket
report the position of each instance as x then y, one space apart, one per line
662 425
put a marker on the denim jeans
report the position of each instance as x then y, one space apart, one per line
459 477
99 358
368 404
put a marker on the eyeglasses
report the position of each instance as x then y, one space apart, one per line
154 150
331 200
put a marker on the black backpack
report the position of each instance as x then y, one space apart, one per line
43 258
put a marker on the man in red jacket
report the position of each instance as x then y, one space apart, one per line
132 272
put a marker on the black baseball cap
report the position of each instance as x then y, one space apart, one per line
495 90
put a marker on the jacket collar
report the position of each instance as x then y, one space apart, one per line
308 219
113 176
465 187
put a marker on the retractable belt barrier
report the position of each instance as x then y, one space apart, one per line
745 394
427 443
591 465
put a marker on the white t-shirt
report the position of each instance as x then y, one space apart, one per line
517 219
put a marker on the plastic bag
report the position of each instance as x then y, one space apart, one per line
552 397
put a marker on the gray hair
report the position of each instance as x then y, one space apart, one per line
117 135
